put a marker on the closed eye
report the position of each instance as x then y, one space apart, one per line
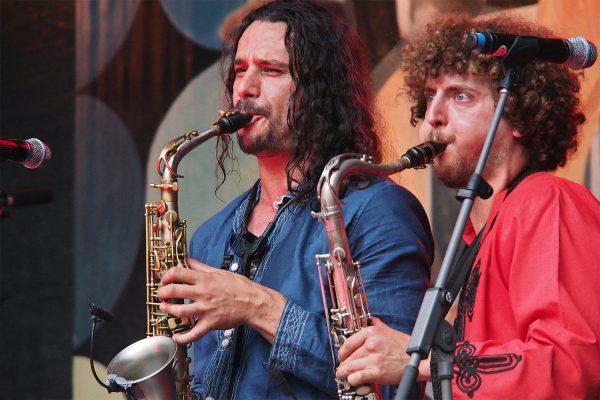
272 71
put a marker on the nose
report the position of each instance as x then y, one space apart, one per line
247 84
436 112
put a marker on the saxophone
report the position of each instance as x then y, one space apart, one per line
142 368
349 311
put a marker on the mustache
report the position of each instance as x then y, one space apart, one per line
250 107
436 136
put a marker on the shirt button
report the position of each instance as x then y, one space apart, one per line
210 398
234 267
228 333
225 342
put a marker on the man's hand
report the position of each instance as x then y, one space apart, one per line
220 300
376 354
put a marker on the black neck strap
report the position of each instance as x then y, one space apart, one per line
463 266
257 248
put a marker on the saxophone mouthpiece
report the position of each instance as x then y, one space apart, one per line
424 153
231 121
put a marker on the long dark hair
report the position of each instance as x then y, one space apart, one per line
330 112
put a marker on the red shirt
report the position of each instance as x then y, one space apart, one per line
531 306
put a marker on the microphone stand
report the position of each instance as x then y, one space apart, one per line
28 197
100 315
431 328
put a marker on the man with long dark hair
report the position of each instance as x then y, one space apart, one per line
254 285
528 321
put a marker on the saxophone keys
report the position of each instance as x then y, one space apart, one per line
336 316
351 281
190 135
171 217
166 186
179 325
336 339
228 113
363 390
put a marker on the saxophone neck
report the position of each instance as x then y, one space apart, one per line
345 165
334 173
172 154
174 151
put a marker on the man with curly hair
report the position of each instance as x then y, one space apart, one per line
261 330
528 321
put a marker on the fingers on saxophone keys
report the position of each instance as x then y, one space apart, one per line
177 275
351 344
196 332
173 291
345 369
178 310
356 378
356 371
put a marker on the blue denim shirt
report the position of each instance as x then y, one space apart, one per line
388 232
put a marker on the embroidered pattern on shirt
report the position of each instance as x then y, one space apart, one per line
283 354
469 366
467 301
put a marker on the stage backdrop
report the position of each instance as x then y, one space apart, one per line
107 84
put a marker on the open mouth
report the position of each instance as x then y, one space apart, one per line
255 118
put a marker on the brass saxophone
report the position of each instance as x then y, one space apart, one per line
142 368
348 311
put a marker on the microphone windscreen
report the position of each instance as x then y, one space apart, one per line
39 153
100 313
583 53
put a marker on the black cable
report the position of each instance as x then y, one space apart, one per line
94 321
114 386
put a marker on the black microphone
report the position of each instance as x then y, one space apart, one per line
100 313
27 197
32 153
576 52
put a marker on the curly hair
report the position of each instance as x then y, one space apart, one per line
544 104
330 111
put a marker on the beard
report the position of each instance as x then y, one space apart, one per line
271 139
457 173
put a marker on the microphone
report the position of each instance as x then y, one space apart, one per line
576 52
32 153
100 313
25 198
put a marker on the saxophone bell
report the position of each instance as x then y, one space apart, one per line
144 369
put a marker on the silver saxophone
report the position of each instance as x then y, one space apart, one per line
157 368
347 312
